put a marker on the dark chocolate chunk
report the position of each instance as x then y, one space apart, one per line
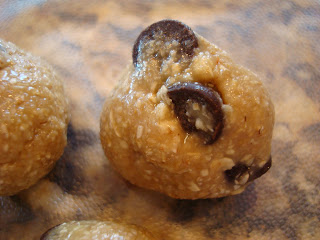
259 172
170 30
198 109
237 173
241 174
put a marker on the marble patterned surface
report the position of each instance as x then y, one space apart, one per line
89 43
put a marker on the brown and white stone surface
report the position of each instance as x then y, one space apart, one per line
89 43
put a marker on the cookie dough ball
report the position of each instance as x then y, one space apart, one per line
185 119
33 119
96 230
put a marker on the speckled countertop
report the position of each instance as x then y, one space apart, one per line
89 43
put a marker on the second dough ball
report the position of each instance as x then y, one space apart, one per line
96 230
186 120
33 119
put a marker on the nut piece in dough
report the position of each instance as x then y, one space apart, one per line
33 119
185 120
96 230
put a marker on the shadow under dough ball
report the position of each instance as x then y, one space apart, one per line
33 119
184 119
96 230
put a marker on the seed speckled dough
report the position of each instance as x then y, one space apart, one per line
185 120
96 230
33 119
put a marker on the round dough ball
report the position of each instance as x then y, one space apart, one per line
186 120
96 230
33 119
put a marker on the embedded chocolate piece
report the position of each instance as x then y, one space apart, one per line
198 109
168 31
259 172
238 174
241 174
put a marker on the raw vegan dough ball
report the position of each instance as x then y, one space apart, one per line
33 119
186 120
96 230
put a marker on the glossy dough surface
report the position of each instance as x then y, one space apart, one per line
145 141
33 119
96 230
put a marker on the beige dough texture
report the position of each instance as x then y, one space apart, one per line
143 127
96 230
33 119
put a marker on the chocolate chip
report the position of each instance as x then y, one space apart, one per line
241 174
198 109
259 172
238 174
169 30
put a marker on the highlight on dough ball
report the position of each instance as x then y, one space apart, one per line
96 230
33 119
184 119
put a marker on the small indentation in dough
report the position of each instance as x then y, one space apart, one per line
260 131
